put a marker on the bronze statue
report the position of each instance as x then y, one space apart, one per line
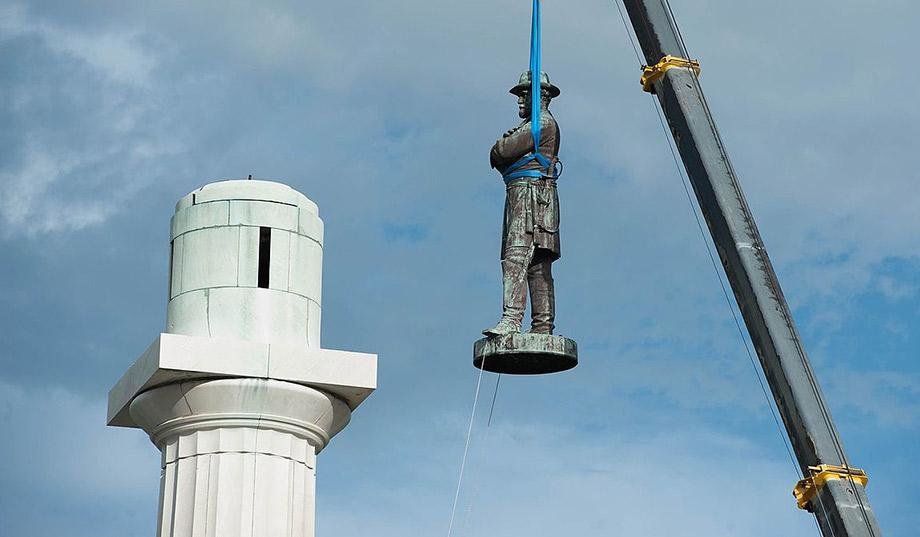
530 234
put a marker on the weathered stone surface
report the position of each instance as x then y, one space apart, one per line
525 354
264 213
201 217
229 280
350 376
209 258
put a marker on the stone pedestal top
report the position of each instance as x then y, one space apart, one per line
525 354
253 190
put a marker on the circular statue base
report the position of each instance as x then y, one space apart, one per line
525 354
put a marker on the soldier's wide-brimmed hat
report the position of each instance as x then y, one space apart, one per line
523 85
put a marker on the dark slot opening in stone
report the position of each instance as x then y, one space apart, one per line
265 252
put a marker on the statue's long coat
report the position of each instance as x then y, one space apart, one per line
531 205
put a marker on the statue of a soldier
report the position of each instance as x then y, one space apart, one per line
530 234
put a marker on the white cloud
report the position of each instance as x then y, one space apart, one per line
88 123
882 398
37 197
118 55
20 191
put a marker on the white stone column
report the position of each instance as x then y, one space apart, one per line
238 395
239 455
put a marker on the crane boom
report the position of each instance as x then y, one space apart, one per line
832 490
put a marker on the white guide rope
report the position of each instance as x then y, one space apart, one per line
466 449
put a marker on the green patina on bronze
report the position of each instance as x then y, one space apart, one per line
530 227
525 354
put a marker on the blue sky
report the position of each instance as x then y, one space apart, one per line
383 114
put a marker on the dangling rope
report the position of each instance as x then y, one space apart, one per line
513 172
477 477
466 449
536 76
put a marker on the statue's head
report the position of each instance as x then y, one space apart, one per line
547 92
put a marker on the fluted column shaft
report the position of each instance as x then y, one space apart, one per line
239 455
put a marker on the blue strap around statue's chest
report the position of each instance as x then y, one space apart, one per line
515 172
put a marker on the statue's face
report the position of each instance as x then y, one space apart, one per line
524 105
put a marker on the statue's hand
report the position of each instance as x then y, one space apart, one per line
509 133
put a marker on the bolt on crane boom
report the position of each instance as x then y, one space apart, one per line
831 489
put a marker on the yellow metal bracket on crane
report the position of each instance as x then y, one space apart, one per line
654 73
806 489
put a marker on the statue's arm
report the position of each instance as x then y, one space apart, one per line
493 157
511 148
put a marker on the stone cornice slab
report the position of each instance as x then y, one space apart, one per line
171 358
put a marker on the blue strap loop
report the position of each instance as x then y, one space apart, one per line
536 74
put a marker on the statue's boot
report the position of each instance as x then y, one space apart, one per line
542 297
514 296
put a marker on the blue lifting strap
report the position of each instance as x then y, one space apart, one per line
535 76
514 171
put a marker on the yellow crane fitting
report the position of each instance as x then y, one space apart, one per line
806 489
653 73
